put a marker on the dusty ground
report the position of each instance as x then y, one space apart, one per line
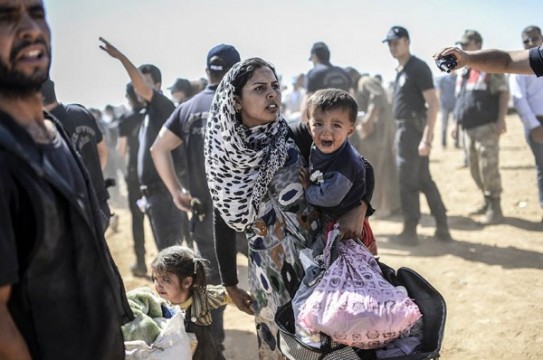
491 277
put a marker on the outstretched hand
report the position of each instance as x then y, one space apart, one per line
461 56
242 299
110 49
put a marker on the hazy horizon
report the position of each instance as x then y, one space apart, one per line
175 36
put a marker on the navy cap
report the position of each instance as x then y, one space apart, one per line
396 32
222 57
319 48
181 85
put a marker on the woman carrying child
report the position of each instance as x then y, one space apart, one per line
253 165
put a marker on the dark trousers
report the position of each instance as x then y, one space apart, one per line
414 175
202 235
164 216
134 194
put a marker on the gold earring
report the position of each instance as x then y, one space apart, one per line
238 110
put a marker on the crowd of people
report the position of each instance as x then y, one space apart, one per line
230 162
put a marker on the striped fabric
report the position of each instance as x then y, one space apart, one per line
202 302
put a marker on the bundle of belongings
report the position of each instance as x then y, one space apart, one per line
158 329
346 307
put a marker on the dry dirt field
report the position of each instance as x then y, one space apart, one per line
491 277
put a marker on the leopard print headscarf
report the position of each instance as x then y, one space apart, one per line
240 161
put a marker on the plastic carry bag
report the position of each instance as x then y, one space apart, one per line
173 343
352 302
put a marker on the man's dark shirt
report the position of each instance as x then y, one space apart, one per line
157 112
188 122
129 127
325 76
415 78
84 134
66 292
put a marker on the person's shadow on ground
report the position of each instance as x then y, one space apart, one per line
506 257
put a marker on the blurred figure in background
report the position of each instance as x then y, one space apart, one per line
445 86
115 164
324 75
527 92
480 109
127 146
164 216
181 90
293 97
355 76
87 139
198 85
415 106
374 139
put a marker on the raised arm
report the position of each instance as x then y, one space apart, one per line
136 77
490 60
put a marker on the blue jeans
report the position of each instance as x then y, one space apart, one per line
445 114
414 175
537 150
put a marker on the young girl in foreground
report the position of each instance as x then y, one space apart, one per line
179 276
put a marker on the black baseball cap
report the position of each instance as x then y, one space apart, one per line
181 85
321 50
396 32
222 57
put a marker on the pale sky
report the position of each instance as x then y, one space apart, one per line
175 35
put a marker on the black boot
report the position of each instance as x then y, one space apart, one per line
408 236
482 209
139 268
442 230
494 213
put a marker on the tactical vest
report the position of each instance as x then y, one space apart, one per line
476 105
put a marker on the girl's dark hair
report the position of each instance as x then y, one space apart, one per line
181 261
247 70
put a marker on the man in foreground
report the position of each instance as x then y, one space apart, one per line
61 296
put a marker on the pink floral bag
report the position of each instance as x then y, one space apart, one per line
353 303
